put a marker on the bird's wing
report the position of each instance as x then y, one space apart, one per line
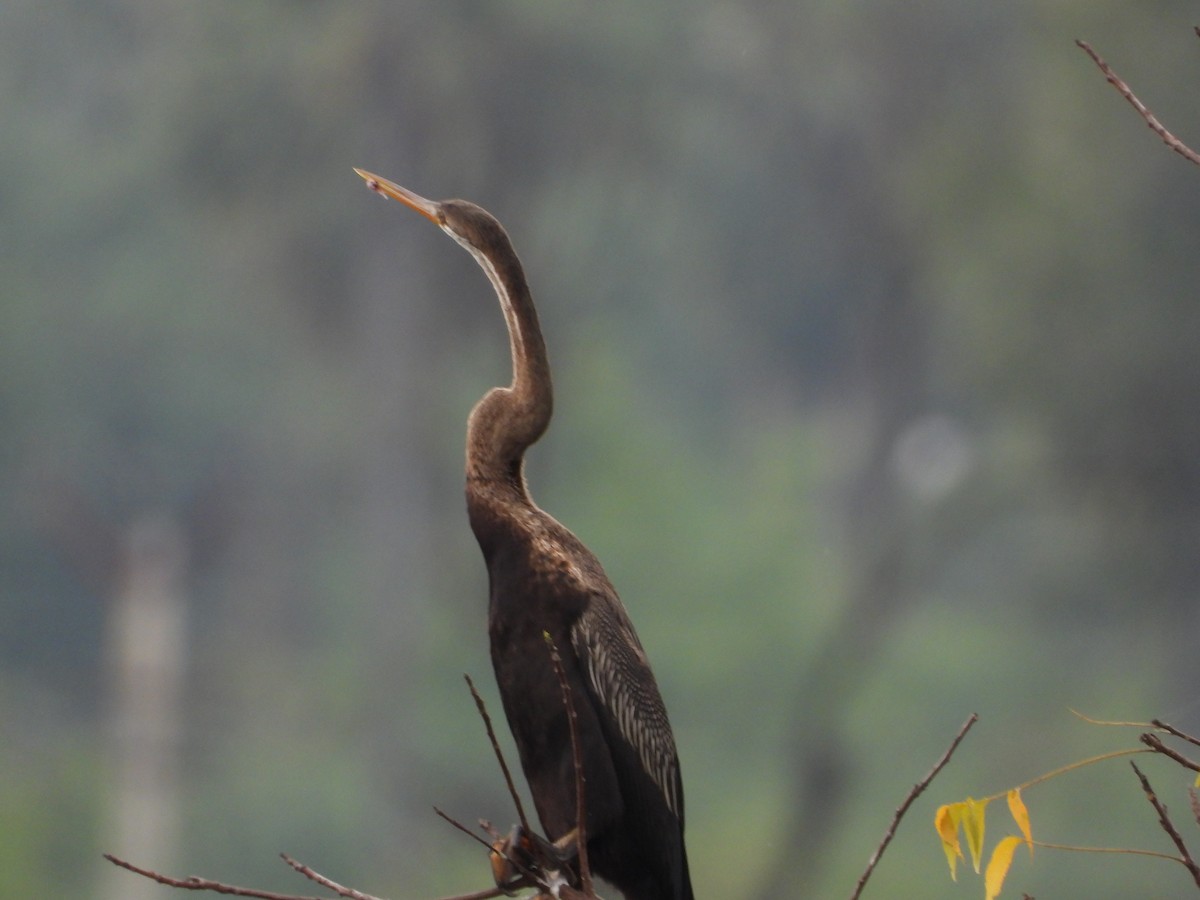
621 680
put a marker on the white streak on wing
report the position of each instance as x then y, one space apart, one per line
639 713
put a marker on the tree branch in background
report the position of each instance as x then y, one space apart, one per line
1168 826
916 791
1148 117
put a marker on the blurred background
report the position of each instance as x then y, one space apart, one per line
877 354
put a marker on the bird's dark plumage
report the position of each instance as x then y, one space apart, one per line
543 580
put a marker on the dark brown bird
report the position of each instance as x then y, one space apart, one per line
543 580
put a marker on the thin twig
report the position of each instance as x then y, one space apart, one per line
491 733
1113 851
461 827
1168 825
315 876
529 875
193 883
1148 117
1171 729
1154 742
585 872
916 791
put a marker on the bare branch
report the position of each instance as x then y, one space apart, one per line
1148 117
193 883
491 733
461 827
535 874
315 876
1154 742
1171 729
1168 826
916 791
531 878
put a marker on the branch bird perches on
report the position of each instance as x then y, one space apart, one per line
531 870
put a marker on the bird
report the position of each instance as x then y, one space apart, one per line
545 585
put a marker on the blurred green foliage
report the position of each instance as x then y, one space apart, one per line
877 359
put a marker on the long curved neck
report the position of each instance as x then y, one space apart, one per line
508 420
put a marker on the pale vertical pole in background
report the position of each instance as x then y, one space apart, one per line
145 662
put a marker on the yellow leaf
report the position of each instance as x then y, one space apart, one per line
1020 815
997 868
973 828
946 822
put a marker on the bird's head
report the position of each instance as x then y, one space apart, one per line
472 226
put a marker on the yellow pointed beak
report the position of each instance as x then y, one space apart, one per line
430 209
